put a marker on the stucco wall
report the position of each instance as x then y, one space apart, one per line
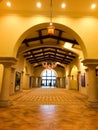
59 71
81 70
1 75
13 26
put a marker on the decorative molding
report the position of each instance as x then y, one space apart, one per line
87 62
8 60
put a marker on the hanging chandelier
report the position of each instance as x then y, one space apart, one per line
51 27
49 65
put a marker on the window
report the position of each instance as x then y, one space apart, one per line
48 78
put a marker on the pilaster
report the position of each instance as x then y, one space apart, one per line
6 81
92 89
58 82
39 81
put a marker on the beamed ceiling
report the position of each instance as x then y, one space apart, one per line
40 47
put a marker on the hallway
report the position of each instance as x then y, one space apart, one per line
48 109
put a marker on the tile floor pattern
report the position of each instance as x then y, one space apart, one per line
48 109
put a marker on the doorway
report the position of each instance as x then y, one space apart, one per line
48 79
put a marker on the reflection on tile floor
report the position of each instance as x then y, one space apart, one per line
71 114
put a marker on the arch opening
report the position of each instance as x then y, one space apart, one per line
27 38
74 78
48 77
41 47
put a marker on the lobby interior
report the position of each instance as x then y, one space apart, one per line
48 64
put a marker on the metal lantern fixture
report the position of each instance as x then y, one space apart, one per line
49 65
51 27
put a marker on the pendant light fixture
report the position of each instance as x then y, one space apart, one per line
49 65
51 27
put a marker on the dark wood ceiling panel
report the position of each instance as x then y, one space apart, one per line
40 35
49 36
58 37
42 54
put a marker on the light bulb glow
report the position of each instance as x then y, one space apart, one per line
8 4
93 6
38 5
63 5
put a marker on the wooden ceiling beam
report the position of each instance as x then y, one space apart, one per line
51 51
50 36
50 59
59 36
63 50
40 35
49 56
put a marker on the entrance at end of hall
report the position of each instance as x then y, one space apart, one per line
48 79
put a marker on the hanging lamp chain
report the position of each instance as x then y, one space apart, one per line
51 12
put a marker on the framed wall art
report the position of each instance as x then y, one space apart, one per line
17 81
83 80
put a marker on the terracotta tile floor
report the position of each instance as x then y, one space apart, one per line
48 109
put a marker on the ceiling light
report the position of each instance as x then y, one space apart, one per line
8 4
67 56
69 53
93 6
29 52
68 45
63 5
31 56
38 4
49 65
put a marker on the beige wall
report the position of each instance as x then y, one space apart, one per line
59 71
13 26
1 75
26 71
80 71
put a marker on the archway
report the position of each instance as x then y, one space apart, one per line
44 25
45 47
74 79
48 77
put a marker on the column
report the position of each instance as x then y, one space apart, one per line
22 80
68 82
26 81
79 80
58 82
6 80
39 81
12 86
63 82
92 86
33 81
92 89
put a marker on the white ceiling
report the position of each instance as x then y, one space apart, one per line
72 6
